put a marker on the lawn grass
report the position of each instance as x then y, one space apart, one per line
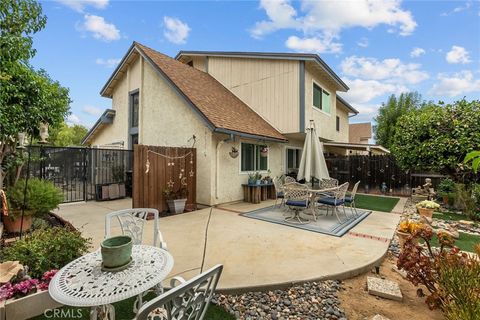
375 203
123 310
465 242
451 216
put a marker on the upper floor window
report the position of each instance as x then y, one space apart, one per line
321 98
134 103
252 158
338 123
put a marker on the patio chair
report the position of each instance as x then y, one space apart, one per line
297 198
188 300
350 199
279 192
289 179
132 221
328 183
335 200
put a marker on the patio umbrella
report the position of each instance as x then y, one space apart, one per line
312 163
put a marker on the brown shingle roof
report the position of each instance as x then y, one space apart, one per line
359 131
216 103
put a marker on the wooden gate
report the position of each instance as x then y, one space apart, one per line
156 169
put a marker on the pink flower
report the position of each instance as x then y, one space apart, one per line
46 278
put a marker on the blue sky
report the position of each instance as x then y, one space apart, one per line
376 47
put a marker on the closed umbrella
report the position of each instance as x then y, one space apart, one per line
312 162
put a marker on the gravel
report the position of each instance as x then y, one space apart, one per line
312 300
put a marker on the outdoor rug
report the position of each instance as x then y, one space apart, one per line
324 224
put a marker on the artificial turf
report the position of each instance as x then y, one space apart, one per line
465 242
375 203
451 216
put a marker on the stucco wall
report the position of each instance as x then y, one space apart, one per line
325 123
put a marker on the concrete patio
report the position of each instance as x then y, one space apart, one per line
255 254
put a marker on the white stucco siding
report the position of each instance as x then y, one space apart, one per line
325 122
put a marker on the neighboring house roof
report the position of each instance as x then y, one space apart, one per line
270 55
217 106
357 146
359 131
105 118
347 105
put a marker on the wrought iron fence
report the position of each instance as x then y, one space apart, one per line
378 174
79 171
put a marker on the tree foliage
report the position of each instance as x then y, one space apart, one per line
390 112
66 135
437 137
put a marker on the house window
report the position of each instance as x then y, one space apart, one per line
251 159
134 101
321 99
190 63
338 123
293 160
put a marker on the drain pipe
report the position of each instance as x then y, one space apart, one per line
217 171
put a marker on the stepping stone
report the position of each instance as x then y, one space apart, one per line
379 317
384 288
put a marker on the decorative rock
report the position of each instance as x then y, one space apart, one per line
402 273
467 222
384 288
379 317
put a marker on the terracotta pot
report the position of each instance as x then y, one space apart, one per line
15 224
426 212
402 237
445 200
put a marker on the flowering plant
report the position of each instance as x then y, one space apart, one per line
264 149
25 287
427 204
409 226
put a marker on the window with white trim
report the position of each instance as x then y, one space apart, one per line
321 98
293 159
252 158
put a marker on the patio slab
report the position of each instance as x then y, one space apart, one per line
255 254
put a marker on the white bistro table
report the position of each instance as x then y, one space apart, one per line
82 283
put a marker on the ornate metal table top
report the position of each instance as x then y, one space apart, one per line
82 283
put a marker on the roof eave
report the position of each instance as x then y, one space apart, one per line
116 71
250 136
348 105
105 118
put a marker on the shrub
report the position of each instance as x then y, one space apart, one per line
465 201
42 196
47 249
446 186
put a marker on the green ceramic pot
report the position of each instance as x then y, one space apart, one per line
116 251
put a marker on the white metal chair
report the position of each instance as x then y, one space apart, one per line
279 191
189 300
289 179
297 198
350 199
328 183
132 222
336 200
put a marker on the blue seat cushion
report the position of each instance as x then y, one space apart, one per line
331 201
280 195
297 203
348 199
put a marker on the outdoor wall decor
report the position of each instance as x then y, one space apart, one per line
234 153
43 132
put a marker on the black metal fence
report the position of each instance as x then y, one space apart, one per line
79 171
378 174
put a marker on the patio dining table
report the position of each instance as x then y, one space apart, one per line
83 283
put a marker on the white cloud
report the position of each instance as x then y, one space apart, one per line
417 52
467 5
458 55
73 119
175 30
80 5
109 63
282 15
91 110
455 85
363 42
100 29
362 91
314 44
388 70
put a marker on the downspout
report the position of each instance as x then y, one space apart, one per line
217 171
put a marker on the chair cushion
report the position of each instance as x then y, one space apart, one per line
348 199
280 195
297 203
331 201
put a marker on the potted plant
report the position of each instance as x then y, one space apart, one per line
41 198
264 151
267 179
427 207
176 200
258 177
446 187
233 153
251 178
406 229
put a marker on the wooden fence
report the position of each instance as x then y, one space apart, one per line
373 172
156 169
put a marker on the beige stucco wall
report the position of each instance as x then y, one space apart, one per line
325 123
270 87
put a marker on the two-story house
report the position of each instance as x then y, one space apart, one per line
225 99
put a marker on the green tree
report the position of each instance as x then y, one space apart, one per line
66 135
27 96
390 112
438 137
